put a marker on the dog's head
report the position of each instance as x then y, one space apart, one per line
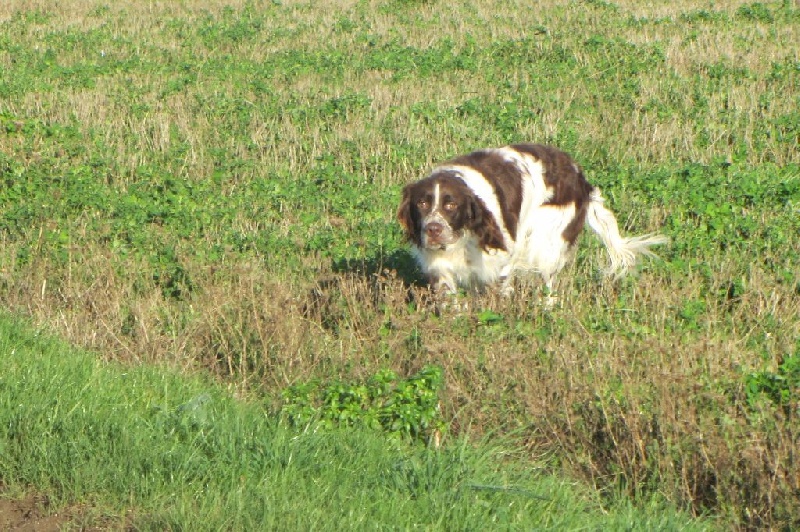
435 213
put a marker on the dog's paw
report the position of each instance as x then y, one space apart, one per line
551 301
451 304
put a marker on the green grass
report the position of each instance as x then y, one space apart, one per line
154 450
210 187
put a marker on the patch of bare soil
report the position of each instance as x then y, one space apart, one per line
30 515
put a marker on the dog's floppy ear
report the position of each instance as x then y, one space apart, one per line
482 223
405 217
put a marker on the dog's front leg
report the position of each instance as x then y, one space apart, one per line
506 281
443 283
445 288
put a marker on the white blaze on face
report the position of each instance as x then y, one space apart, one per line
435 216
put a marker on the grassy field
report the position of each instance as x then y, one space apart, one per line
146 449
210 187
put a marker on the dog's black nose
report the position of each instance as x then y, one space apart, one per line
433 229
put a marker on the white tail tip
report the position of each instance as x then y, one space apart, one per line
625 254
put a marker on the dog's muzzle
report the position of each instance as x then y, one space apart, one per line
436 232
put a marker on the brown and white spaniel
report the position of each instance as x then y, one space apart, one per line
487 216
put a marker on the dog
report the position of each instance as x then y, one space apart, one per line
489 216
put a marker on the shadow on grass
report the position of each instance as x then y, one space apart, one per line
399 263
364 287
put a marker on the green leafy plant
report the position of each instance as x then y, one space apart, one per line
402 407
781 387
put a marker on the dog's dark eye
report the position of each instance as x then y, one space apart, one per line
423 204
450 206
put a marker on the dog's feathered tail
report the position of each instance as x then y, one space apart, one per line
623 251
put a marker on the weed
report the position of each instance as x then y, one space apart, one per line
782 387
406 407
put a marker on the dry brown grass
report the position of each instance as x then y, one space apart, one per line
621 395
